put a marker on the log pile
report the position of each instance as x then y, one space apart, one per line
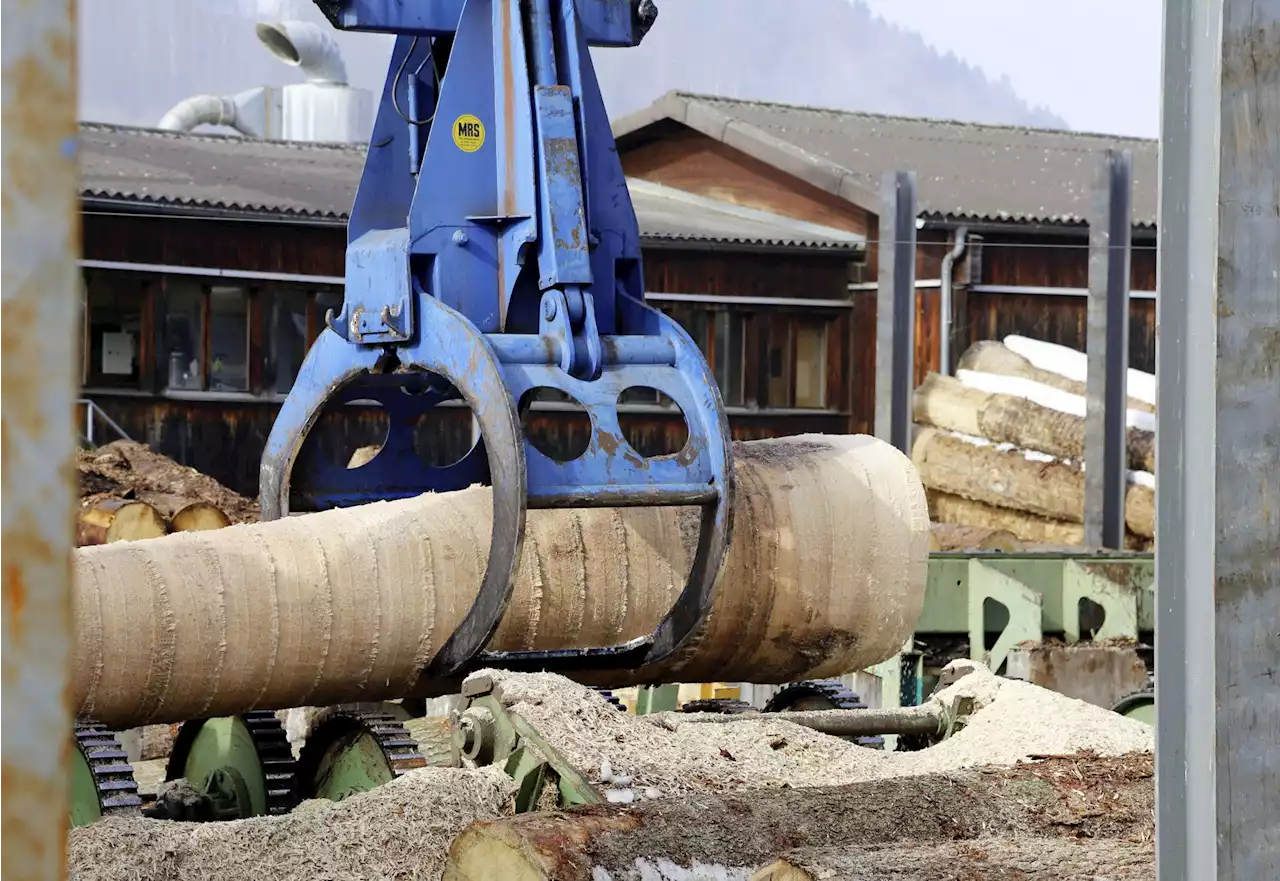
130 492
1000 449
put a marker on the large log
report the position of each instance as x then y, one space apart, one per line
954 512
993 357
963 537
947 403
991 859
826 574
105 520
735 834
1016 479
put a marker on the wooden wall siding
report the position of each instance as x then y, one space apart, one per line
244 245
1057 319
1056 262
690 161
225 439
747 274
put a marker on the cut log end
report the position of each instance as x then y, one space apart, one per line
547 847
199 516
111 520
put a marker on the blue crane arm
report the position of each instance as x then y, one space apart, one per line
616 23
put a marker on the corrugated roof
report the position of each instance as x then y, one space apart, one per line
318 181
963 170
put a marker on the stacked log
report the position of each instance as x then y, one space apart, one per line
1000 450
130 492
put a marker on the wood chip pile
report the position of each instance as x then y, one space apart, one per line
1000 448
129 492
1036 786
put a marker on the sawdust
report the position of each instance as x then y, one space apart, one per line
1016 720
677 753
674 754
398 831
128 469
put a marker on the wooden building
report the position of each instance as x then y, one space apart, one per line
210 262
1015 199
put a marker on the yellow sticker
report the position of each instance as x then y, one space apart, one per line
468 133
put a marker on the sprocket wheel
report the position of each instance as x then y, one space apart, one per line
349 750
612 698
102 782
242 763
821 694
725 706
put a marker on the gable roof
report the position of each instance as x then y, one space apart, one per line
964 171
193 173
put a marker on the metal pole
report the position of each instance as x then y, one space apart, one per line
39 361
1107 398
1218 444
896 309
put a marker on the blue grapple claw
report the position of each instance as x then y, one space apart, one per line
493 254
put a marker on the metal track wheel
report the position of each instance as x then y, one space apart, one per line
1140 705
243 764
821 694
723 705
350 750
102 783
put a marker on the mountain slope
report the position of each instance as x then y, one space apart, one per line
139 57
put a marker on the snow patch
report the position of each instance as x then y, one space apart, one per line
1138 478
1074 364
1045 395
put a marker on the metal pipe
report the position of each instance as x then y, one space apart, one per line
929 720
42 285
945 307
542 37
198 110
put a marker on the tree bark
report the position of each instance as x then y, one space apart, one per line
103 521
1012 479
947 403
736 833
964 537
1040 533
995 357
992 859
349 605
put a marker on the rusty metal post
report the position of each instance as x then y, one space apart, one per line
40 354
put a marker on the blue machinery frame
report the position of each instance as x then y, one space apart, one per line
493 252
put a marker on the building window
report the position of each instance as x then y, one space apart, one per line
287 338
721 336
228 339
779 359
811 365
184 334
115 308
730 355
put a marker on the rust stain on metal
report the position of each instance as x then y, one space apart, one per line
608 442
33 118
15 599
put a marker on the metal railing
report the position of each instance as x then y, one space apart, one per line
92 413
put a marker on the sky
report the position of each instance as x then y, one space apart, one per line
1096 63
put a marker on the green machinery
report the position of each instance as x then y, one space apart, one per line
984 605
977 605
